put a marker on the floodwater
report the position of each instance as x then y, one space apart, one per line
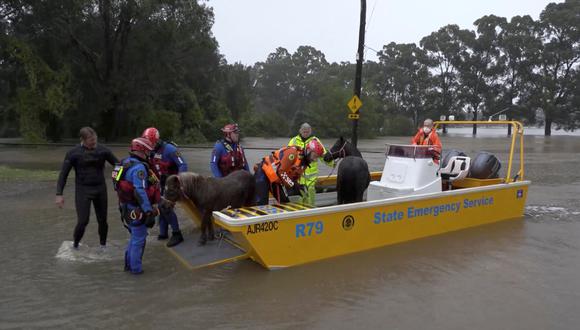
520 274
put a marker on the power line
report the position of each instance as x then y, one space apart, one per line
374 50
369 23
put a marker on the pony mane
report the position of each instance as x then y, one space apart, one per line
194 186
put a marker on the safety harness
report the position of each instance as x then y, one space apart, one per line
233 159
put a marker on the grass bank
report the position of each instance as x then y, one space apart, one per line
15 174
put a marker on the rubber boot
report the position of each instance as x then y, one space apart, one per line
175 239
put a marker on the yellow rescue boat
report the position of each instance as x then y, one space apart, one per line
414 198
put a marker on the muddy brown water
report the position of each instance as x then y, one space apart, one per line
521 274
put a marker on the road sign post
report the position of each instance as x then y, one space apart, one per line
359 63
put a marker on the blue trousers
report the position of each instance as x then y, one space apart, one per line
168 218
136 247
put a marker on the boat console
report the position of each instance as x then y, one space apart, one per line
408 170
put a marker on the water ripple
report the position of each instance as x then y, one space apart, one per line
549 213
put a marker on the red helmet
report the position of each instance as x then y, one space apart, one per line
141 144
229 128
151 134
315 146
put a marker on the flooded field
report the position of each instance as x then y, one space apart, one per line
521 274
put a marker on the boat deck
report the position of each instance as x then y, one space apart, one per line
255 211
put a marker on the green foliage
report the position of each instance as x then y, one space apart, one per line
328 114
167 122
398 125
558 64
29 108
264 125
191 136
44 97
121 66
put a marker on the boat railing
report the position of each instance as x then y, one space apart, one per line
516 138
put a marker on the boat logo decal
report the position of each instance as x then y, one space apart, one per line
348 222
520 193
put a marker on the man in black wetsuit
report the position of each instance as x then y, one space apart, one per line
88 160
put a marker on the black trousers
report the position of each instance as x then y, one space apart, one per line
264 187
84 195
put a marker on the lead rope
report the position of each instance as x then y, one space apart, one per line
335 166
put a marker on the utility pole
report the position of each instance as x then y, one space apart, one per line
359 63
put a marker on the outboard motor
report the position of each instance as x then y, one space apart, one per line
484 166
449 154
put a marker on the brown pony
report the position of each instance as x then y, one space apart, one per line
211 194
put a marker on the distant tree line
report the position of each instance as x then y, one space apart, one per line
120 66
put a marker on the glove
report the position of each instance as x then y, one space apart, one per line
327 157
155 211
149 220
165 205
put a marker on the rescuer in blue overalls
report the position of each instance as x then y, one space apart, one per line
138 191
228 155
166 160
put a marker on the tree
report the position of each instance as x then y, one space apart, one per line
478 62
286 82
129 61
404 79
238 90
442 48
45 98
559 57
519 44
273 83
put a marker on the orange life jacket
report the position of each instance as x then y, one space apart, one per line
284 166
432 139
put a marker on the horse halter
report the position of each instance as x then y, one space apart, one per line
341 152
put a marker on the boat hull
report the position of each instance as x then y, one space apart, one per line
298 237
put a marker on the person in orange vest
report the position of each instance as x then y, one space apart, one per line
427 136
281 171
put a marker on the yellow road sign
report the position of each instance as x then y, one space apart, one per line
354 104
353 116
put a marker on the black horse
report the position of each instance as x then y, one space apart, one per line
353 176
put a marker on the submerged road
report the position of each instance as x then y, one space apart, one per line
520 274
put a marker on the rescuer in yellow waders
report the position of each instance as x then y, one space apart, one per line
308 179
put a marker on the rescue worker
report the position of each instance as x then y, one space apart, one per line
166 160
427 136
228 155
282 171
88 160
138 191
310 176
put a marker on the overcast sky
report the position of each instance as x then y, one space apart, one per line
249 30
